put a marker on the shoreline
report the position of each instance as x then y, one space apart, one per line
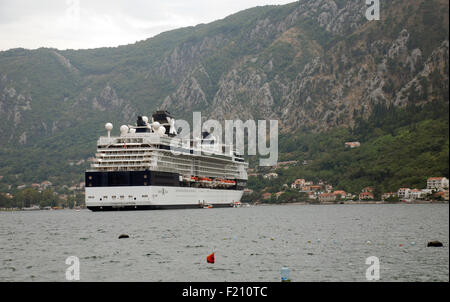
282 204
351 202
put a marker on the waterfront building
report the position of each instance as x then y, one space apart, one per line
298 183
368 189
388 195
403 193
327 197
340 193
437 183
366 196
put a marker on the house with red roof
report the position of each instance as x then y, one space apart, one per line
366 196
368 189
437 183
298 183
353 144
340 193
266 196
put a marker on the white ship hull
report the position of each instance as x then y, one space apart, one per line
158 197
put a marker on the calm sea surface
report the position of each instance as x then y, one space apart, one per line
317 243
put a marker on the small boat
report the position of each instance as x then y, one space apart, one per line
33 208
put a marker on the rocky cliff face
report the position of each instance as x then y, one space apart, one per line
14 105
309 64
303 80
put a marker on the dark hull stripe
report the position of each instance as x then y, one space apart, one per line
152 207
145 178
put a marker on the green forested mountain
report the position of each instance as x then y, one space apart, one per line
319 67
400 147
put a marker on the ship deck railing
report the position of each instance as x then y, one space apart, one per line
193 143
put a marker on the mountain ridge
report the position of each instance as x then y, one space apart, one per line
312 65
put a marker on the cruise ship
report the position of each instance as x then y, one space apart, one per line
139 169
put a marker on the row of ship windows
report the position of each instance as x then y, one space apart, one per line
199 167
200 164
177 166
115 197
123 151
146 146
120 149
90 176
211 161
130 140
166 169
179 159
206 171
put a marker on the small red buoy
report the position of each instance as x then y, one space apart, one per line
210 258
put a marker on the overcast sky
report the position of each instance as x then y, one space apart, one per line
75 24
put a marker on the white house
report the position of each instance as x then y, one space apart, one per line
416 194
271 175
437 183
312 195
388 195
353 144
298 183
403 193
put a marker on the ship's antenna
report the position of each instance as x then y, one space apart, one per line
108 128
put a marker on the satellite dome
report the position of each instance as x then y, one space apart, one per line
161 131
108 126
156 126
145 119
123 129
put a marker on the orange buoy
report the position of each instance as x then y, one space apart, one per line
210 258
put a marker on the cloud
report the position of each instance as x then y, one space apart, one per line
79 24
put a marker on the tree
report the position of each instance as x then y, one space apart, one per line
48 198
5 202
26 198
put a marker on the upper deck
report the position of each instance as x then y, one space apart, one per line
142 148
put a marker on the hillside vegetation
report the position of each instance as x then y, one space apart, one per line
400 147
317 66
